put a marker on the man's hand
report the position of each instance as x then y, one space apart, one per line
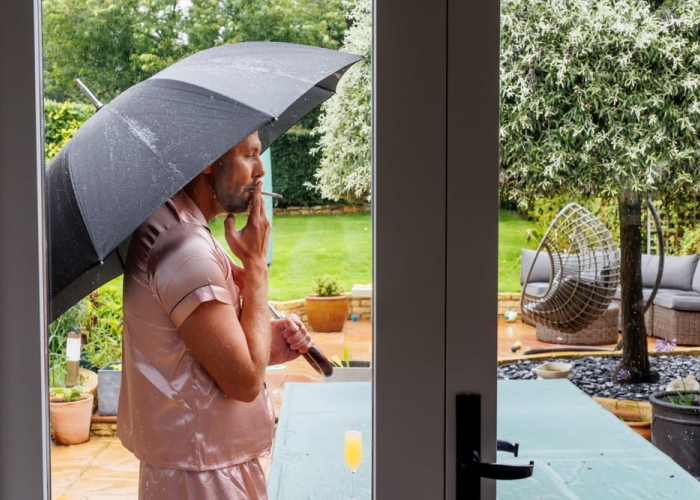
250 243
290 339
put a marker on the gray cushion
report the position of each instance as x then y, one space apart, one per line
696 279
537 289
681 301
542 270
678 271
646 293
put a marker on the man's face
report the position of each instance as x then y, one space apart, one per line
236 173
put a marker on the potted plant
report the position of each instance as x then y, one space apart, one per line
327 309
70 413
636 414
347 370
675 427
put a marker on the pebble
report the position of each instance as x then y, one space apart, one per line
594 374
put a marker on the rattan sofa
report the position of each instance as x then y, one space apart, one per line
675 312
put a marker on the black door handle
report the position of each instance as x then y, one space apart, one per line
497 471
507 446
470 468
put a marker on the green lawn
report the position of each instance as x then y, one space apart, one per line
512 236
310 245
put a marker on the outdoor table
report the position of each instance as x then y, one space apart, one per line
307 460
581 451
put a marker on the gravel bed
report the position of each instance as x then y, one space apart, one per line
593 374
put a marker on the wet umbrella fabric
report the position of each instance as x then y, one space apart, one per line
150 141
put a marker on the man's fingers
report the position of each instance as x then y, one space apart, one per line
230 223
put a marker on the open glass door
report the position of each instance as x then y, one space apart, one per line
433 172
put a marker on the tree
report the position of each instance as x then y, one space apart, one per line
308 22
345 125
602 97
113 44
109 44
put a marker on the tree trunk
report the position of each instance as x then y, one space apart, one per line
634 366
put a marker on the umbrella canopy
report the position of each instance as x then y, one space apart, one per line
150 141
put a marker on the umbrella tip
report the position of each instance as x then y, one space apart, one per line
88 94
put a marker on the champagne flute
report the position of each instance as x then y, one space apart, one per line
353 448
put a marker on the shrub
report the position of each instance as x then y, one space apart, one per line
61 121
293 166
327 286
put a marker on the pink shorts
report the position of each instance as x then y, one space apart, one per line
239 482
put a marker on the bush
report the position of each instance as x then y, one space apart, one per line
101 321
544 210
98 317
292 166
61 121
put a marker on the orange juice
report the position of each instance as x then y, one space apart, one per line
353 449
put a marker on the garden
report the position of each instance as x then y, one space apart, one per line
599 105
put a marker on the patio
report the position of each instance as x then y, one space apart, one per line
102 469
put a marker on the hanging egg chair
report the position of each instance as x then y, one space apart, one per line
585 272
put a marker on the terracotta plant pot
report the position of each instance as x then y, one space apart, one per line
636 414
327 314
71 420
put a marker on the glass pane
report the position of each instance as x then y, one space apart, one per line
140 332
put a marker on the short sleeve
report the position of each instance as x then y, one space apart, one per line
185 269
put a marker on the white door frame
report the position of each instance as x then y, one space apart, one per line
435 237
24 454
435 260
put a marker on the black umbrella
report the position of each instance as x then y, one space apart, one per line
150 141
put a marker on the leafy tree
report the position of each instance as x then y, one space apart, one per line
307 22
345 125
109 44
602 97
113 44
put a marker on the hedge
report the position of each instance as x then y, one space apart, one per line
292 166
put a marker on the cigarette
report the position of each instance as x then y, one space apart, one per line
274 195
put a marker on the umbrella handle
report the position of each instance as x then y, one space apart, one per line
314 356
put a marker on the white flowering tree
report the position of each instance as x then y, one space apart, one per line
602 97
345 125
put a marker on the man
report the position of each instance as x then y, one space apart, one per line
193 407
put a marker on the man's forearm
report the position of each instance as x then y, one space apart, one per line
255 319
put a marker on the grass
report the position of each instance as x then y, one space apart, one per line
512 236
310 245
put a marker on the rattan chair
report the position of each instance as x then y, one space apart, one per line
585 272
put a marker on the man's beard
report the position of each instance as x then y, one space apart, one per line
233 202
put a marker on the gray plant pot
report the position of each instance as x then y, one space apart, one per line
358 371
675 429
109 383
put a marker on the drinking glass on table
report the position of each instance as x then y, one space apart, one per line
353 448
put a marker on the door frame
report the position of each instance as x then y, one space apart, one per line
435 210
430 206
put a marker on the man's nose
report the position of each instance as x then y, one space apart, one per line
258 168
